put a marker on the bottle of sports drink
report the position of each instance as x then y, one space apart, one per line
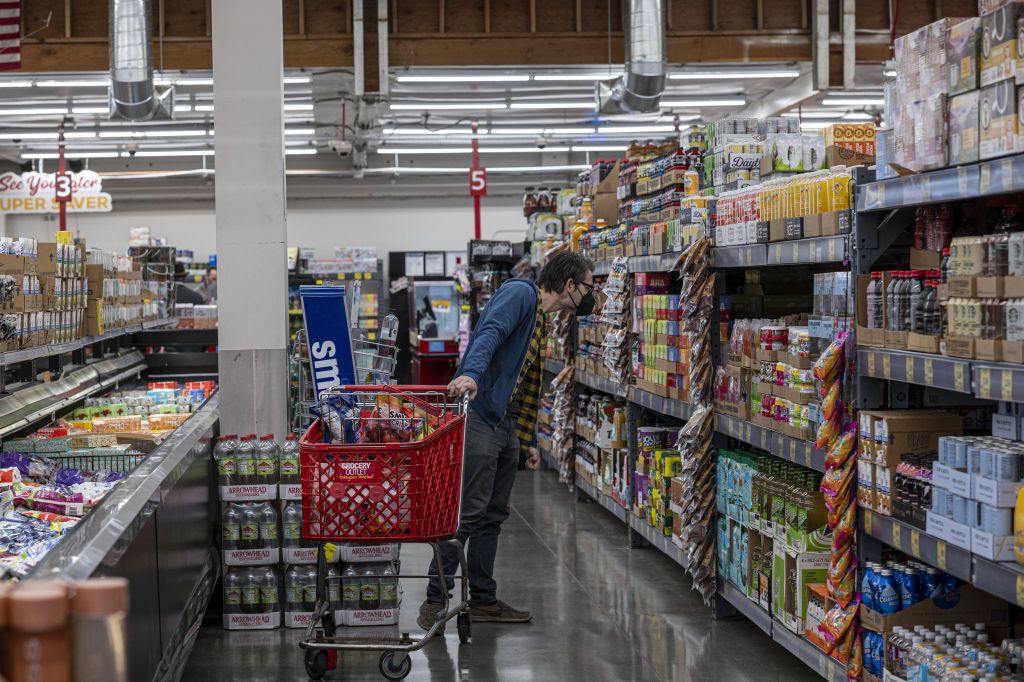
231 527
267 456
888 596
224 457
233 590
269 537
389 587
245 456
290 460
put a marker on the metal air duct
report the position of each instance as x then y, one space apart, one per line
640 88
132 93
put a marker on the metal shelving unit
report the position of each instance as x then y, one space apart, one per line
795 450
924 369
27 354
596 495
745 605
810 251
661 405
917 543
743 256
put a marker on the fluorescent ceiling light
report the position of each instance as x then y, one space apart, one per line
174 152
79 135
298 152
396 106
142 134
612 130
537 169
852 102
703 103
811 114
554 105
15 84
731 75
601 148
815 125
890 74
521 150
296 80
483 78
34 112
73 84
467 150
296 107
73 155
570 131
202 107
858 116
90 110
576 76
183 81
516 131
400 170
295 131
180 108
28 136
426 131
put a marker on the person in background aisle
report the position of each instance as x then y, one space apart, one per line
211 285
501 373
182 292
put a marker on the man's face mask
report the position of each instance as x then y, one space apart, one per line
586 304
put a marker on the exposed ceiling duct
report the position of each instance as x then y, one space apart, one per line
640 88
133 95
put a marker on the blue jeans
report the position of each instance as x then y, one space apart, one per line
489 470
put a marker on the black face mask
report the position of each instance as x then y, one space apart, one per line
586 304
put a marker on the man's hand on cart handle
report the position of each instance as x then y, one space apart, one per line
462 385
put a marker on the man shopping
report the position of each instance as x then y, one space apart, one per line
501 372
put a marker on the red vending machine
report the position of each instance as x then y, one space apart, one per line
433 330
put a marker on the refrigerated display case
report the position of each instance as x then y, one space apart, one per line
433 330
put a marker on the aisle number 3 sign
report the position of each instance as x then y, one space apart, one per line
44 193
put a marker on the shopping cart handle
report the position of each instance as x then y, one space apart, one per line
398 388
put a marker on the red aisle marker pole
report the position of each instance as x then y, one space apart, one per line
62 183
477 182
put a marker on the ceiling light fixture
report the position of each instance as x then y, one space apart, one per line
202 107
576 76
142 134
183 81
34 112
28 136
424 106
297 80
90 110
612 130
601 148
182 108
300 152
427 131
467 150
703 103
15 84
731 75
481 78
174 152
853 102
554 105
296 107
296 131
74 155
73 84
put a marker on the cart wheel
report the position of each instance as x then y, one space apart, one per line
394 671
464 625
316 664
328 624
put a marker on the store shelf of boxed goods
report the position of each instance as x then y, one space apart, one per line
796 450
809 251
26 354
987 178
661 405
608 503
812 656
925 369
742 256
982 379
918 544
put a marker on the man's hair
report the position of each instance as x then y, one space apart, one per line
560 268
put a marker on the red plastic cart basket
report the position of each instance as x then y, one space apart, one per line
385 492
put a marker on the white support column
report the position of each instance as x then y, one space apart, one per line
248 61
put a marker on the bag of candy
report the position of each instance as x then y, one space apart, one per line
830 364
836 623
842 448
828 430
830 402
855 666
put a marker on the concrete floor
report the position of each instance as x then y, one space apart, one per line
601 613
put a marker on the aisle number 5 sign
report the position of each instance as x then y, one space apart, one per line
477 182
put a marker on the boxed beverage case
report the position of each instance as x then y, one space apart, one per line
921 61
962 56
999 57
963 128
997 118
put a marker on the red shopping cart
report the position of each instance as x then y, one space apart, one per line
404 485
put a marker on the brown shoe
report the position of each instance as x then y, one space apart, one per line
430 612
498 612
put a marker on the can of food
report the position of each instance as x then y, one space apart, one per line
1005 465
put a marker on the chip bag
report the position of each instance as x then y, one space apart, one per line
837 624
855 666
842 447
830 402
828 430
828 366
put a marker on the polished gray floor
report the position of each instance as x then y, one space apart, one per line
602 613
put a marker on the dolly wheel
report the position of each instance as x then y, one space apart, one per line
464 625
328 624
392 670
316 664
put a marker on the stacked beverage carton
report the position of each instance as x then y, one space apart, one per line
269 568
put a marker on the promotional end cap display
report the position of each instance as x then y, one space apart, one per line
38 606
100 596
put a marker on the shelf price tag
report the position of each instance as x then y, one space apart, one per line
746 432
807 458
915 543
940 554
926 188
961 180
910 370
867 522
341 275
796 252
1006 385
896 533
792 450
1007 172
985 378
748 255
1020 590
764 438
871 365
887 366
986 178
929 372
958 378
831 250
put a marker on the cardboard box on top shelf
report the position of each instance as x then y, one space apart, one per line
964 130
999 59
962 52
922 343
921 259
838 155
998 119
957 346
